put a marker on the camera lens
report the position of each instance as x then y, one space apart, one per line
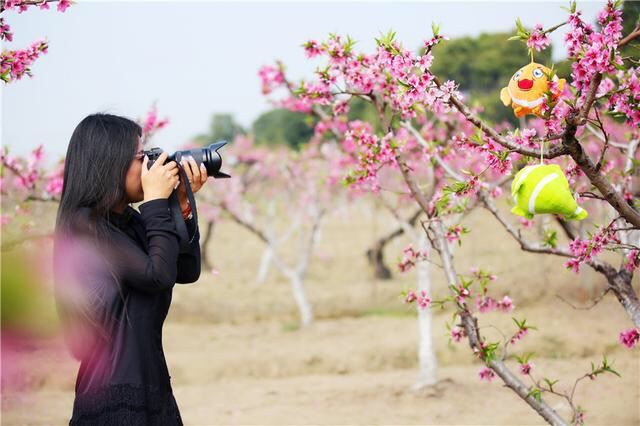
209 156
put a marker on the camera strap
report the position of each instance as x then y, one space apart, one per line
185 239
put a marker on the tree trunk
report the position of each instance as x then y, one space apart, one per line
375 256
265 264
204 250
427 361
300 296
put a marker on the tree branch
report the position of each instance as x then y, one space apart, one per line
598 179
470 324
552 152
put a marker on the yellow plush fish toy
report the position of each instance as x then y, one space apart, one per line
527 87
544 188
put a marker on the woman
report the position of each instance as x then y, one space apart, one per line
116 268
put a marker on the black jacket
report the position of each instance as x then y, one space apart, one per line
126 290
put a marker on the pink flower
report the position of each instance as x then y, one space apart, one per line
411 296
462 294
485 304
525 368
486 374
341 108
54 186
423 300
457 333
526 138
606 85
454 233
152 124
5 31
312 48
519 335
505 305
538 40
630 337
63 5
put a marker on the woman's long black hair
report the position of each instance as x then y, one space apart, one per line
98 158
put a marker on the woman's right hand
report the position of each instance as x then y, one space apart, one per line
159 180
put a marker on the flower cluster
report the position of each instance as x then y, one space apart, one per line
525 138
421 298
372 153
151 123
538 39
28 174
462 293
400 77
455 232
15 64
411 257
271 78
523 330
5 31
595 52
633 261
491 153
626 99
21 5
487 304
312 48
586 250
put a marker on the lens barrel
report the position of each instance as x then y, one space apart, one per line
209 156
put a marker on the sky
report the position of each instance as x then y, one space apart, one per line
194 59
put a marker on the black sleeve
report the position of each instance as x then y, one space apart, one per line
156 271
189 262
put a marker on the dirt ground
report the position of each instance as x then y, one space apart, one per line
237 356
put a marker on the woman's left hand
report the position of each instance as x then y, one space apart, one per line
197 177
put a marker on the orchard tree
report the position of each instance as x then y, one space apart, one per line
280 196
407 95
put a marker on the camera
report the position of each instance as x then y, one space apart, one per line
209 156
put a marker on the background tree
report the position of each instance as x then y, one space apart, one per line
223 126
282 127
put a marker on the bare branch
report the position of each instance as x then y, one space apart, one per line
585 308
524 244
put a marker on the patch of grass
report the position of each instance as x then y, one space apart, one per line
290 327
379 311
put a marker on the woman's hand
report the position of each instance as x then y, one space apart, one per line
160 180
197 177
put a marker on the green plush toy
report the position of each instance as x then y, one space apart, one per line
544 189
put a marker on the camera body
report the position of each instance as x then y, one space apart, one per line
209 156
